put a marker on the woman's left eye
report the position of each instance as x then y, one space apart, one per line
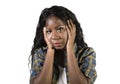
59 29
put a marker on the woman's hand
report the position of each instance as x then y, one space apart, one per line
71 29
49 45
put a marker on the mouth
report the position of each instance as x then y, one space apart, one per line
57 44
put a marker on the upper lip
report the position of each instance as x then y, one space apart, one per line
56 43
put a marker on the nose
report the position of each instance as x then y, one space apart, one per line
55 35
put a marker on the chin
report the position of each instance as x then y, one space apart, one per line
58 48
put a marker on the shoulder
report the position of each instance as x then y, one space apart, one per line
39 53
88 51
40 50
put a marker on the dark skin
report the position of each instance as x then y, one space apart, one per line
61 37
57 36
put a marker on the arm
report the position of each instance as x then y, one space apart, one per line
45 76
76 76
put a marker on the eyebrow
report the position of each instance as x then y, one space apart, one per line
56 27
60 26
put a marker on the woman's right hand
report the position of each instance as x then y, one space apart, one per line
49 45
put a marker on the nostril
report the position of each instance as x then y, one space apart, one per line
54 34
55 37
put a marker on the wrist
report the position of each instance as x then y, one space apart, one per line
51 49
70 50
70 47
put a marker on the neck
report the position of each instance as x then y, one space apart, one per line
60 57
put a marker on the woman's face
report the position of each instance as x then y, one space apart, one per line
56 32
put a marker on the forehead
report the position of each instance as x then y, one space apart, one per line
53 21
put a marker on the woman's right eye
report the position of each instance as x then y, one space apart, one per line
48 31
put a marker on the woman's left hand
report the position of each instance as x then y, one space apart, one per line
71 30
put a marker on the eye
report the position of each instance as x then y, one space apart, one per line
60 29
48 31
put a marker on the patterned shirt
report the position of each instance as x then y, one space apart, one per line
86 59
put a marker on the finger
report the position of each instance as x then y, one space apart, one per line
73 27
71 23
44 32
68 24
68 31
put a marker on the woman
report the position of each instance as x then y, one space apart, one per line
59 53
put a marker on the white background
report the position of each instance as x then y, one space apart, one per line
100 21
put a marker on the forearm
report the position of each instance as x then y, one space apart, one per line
45 76
76 76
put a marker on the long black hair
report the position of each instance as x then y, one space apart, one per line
63 14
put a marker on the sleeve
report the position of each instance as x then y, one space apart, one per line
37 63
87 64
